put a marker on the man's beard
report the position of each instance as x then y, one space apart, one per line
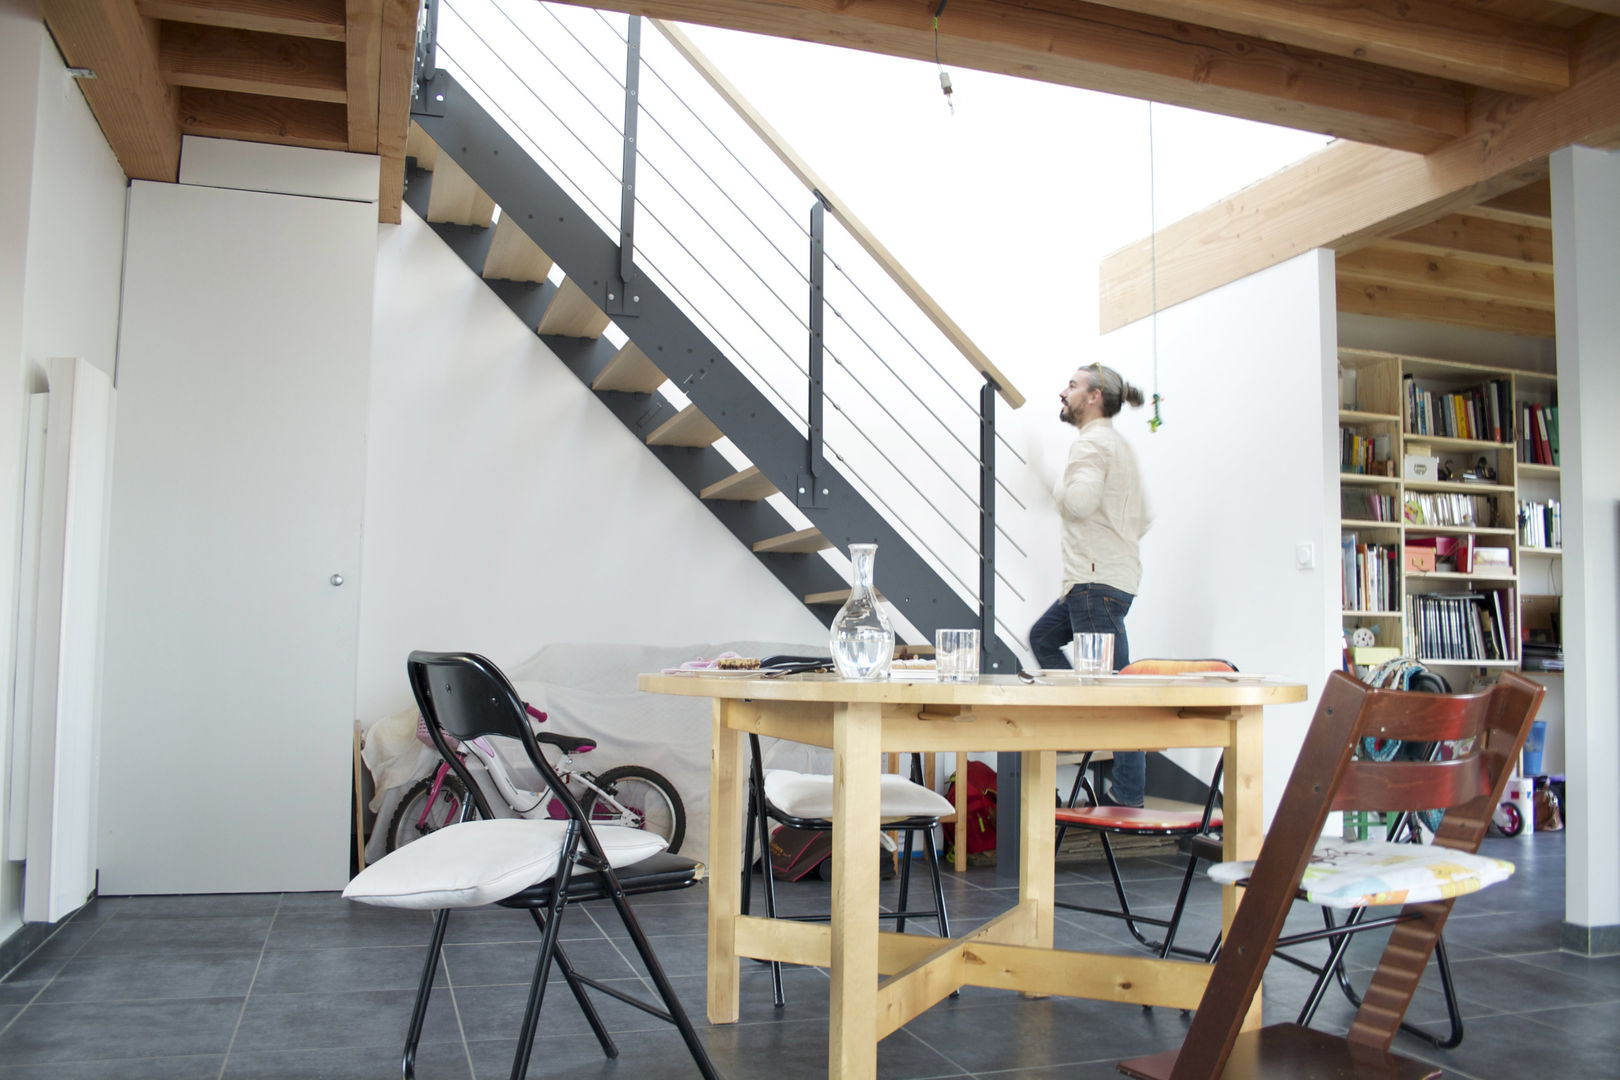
1065 414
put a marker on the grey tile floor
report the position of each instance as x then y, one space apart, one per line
265 987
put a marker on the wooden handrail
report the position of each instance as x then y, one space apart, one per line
836 207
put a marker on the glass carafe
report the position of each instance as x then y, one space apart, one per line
862 639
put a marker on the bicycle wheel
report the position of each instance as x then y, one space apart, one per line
648 801
416 818
1507 820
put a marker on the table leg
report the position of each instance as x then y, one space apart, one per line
1243 813
1037 853
727 789
959 849
852 1043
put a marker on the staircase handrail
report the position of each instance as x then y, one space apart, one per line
839 210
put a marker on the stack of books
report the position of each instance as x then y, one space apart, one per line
1542 656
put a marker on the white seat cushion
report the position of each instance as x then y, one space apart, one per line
810 795
1376 873
473 863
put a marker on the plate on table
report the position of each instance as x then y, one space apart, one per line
722 673
1116 679
1230 676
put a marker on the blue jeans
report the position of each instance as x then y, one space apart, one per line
1096 609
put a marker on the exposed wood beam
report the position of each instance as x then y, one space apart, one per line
300 18
1393 303
839 210
1348 195
1465 236
1444 40
218 58
363 45
1530 205
257 118
396 61
1604 7
1462 278
1118 52
131 102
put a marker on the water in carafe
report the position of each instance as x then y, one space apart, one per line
863 652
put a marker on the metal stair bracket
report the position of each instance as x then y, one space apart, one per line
664 338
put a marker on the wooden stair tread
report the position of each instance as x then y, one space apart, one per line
798 543
689 427
454 199
629 371
572 314
418 145
1288 1050
513 256
749 485
832 596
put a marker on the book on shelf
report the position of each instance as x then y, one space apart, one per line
1369 576
1449 508
1366 505
1541 525
1460 626
1474 412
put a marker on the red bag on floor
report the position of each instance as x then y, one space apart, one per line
980 826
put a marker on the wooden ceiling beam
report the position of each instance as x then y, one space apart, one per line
1530 205
1397 303
245 61
363 45
1466 236
257 118
1346 196
321 19
1463 278
1117 52
130 100
397 67
1444 40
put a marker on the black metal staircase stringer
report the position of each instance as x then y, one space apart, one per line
531 199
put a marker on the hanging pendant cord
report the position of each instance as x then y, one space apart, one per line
1153 271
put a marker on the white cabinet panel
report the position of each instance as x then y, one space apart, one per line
238 491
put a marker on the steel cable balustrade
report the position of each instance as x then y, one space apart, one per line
761 380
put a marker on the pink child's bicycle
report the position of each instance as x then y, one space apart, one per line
627 795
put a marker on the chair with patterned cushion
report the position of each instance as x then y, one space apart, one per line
805 801
1489 728
519 863
1109 821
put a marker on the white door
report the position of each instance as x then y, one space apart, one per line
238 487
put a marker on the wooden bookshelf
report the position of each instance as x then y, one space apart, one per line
1464 400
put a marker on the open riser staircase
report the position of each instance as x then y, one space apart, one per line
462 165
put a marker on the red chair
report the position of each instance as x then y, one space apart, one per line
1129 821
1325 778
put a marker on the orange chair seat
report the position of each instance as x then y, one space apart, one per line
1135 819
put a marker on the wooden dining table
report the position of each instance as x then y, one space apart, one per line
881 980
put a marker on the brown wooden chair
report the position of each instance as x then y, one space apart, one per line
1325 778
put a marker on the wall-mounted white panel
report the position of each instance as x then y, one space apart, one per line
284 170
64 706
243 372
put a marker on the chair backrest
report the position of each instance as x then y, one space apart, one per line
1326 777
465 696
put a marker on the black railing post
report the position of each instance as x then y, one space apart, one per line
987 521
810 492
425 98
622 298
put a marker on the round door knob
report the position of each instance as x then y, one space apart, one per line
337 579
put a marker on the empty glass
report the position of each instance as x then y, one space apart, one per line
956 655
1093 654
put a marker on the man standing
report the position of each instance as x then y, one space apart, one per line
1104 516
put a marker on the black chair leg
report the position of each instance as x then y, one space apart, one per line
748 856
904 897
932 855
666 991
430 967
1175 916
778 996
537 987
1119 889
586 1005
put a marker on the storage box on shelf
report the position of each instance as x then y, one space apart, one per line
1446 529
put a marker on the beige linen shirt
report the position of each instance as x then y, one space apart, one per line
1104 510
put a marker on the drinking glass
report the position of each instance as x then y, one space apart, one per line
1093 654
956 655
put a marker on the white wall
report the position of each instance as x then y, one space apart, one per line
61 235
506 508
1586 247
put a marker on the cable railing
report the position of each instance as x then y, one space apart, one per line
718 234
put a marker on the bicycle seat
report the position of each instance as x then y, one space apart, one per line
566 743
